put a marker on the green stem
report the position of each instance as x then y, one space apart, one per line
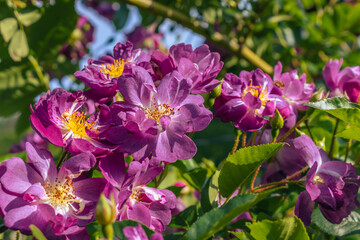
63 157
38 71
254 178
200 27
108 231
236 142
348 145
243 143
331 151
286 180
308 128
288 133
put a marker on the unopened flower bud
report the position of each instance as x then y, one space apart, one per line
216 92
317 96
277 121
105 210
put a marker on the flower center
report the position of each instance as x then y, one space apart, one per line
116 69
279 84
76 124
62 195
257 91
156 111
317 179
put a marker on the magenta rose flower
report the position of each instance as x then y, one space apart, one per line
56 202
333 185
68 120
291 158
134 200
346 81
101 75
138 233
246 100
155 120
199 65
293 89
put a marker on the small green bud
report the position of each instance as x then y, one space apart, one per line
277 121
299 133
210 102
105 212
216 92
317 96
274 133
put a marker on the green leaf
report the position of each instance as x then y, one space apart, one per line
195 177
94 230
18 88
8 27
30 17
351 133
210 193
37 233
185 218
52 30
240 235
121 16
240 165
216 219
348 225
176 190
18 47
284 229
339 107
191 172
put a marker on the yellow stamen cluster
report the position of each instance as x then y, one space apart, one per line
257 91
61 195
114 70
317 179
156 111
76 123
137 194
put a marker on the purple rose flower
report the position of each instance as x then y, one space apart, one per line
101 75
294 89
56 202
33 138
290 159
138 233
344 82
200 65
134 199
143 37
155 120
333 185
60 117
246 99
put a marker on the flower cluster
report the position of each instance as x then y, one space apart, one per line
138 115
250 98
134 106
